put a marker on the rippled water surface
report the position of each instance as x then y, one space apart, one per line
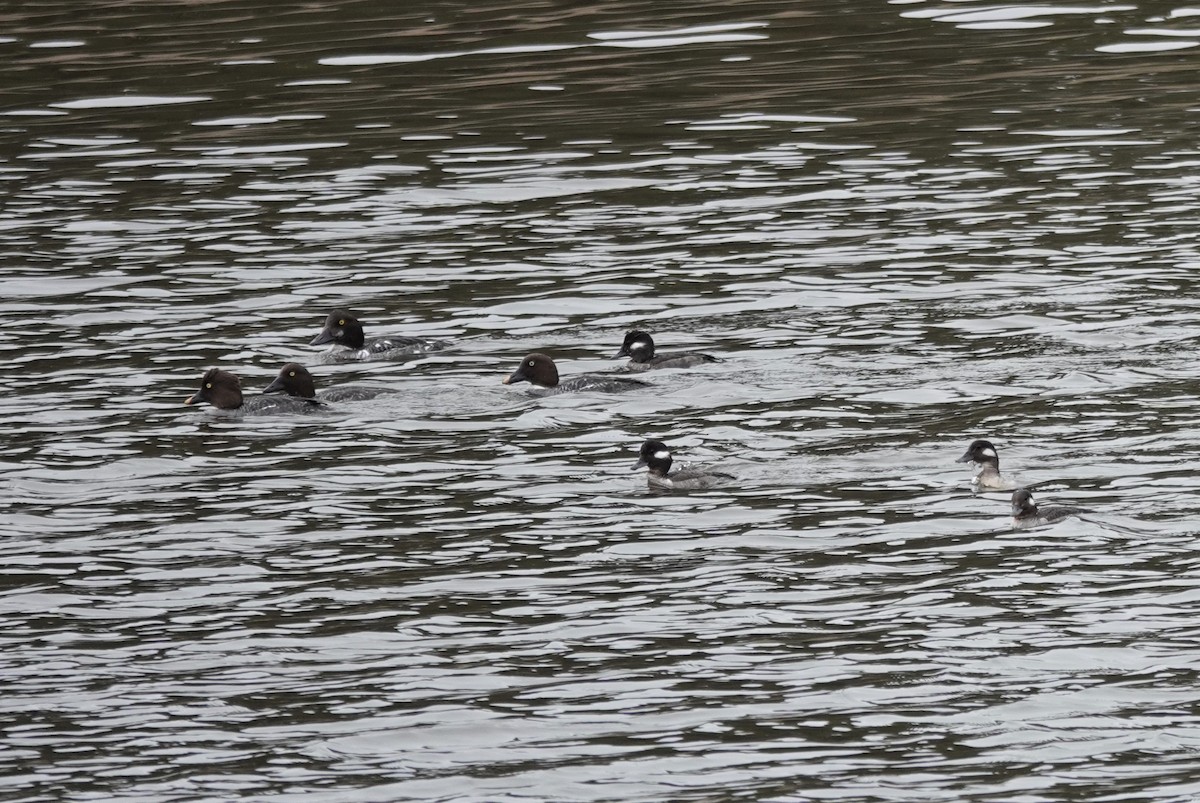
903 226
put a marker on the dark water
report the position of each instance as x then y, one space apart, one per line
903 225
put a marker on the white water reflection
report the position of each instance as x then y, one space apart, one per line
128 101
707 34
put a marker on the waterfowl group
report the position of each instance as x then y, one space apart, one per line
1025 512
293 390
223 390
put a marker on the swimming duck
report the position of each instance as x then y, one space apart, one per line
295 380
655 455
639 348
539 370
344 329
988 477
1026 513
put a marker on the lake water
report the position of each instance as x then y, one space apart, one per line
903 226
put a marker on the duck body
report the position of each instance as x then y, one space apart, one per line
656 457
1026 513
343 329
296 381
639 348
539 370
223 390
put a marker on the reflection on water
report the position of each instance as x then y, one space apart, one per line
903 226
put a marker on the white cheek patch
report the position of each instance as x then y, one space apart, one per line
638 346
988 453
662 455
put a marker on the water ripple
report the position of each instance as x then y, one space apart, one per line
898 236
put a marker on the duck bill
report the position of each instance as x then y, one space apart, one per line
966 458
515 377
195 398
324 337
641 463
624 352
276 386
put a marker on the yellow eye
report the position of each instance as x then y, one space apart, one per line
208 385
291 373
341 323
530 363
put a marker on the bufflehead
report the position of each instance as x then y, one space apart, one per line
1026 513
223 391
342 328
540 370
639 348
657 457
295 380
983 454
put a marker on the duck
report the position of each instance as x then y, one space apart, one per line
223 390
1026 513
655 455
295 380
538 369
988 477
343 329
639 348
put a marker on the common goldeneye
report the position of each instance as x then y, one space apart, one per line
639 348
295 380
657 456
538 369
1026 513
223 391
983 454
343 329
